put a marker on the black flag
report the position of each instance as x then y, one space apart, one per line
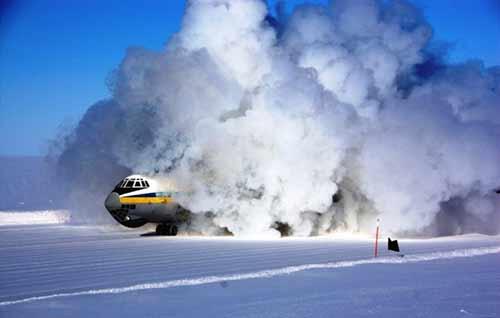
392 245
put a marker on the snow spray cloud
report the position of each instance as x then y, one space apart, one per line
263 119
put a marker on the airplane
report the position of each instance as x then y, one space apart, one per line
137 200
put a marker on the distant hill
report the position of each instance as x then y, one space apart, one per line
29 183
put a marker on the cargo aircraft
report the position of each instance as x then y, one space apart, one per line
137 200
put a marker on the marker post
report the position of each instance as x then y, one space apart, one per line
376 238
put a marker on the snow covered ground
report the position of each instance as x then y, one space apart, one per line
34 217
60 270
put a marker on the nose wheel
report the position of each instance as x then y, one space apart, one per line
166 229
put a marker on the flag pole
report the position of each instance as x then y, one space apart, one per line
376 238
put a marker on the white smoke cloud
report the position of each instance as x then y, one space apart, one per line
264 121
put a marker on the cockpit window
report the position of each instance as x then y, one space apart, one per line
128 184
131 184
138 184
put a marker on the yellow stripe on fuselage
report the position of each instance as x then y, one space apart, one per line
146 200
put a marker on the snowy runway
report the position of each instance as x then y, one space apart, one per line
49 270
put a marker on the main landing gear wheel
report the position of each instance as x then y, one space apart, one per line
166 229
173 230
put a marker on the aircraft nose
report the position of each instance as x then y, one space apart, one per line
112 202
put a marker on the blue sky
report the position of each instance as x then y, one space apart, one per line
55 55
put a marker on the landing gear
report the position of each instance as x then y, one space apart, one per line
173 230
166 229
